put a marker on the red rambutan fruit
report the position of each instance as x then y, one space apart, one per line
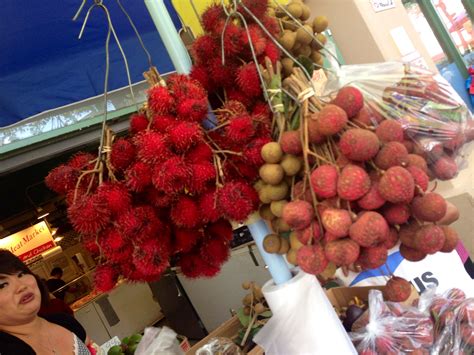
160 100
258 8
193 110
105 277
150 258
90 244
208 206
162 123
116 196
185 239
240 129
202 174
252 151
261 109
140 223
221 229
120 255
257 37
184 135
157 198
138 176
233 40
237 95
215 251
172 176
152 147
82 161
248 80
272 26
200 74
138 123
230 108
201 152
111 239
193 266
212 18
62 179
220 74
203 48
271 52
183 86
122 154
237 200
89 214
185 212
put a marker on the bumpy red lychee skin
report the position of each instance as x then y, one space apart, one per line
429 239
353 183
342 252
372 258
445 168
298 214
314 134
291 142
430 207
313 232
390 131
392 239
411 254
397 185
408 145
451 239
398 213
421 178
331 120
369 230
324 181
336 221
350 99
391 154
372 199
397 290
407 234
311 259
359 144
418 161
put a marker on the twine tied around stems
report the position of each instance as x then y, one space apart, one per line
306 94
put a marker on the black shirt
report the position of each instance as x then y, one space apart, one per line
11 345
53 285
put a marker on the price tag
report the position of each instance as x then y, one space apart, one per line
319 80
112 342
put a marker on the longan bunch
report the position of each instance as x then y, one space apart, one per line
254 302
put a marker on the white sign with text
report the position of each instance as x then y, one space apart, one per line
381 5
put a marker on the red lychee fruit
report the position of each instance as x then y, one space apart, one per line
299 194
467 334
428 148
372 258
455 142
411 254
336 221
391 154
445 168
364 118
430 207
392 239
409 145
331 120
421 178
312 232
451 239
324 181
397 290
397 185
314 135
407 234
372 200
398 213
350 100
369 230
359 144
342 251
291 142
418 161
429 239
353 183
298 214
311 259
390 131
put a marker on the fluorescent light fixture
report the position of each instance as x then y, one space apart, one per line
58 239
41 213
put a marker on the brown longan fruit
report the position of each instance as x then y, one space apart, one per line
264 194
272 243
295 9
266 212
259 308
304 51
291 257
303 34
279 225
315 56
284 246
287 65
271 152
291 164
288 40
320 23
276 207
258 185
295 243
247 300
246 285
306 13
276 192
271 173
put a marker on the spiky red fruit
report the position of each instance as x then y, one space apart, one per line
111 239
193 266
193 110
221 229
390 131
184 135
62 179
397 185
353 183
89 214
82 161
252 151
221 74
237 200
185 239
391 154
230 109
397 290
138 123
392 239
122 154
185 212
201 152
336 221
430 207
138 176
105 277
202 174
369 230
451 239
359 144
445 168
152 147
233 40
272 26
324 181
237 95
257 37
421 178
248 80
157 198
398 213
429 239
172 176
208 206
200 74
342 251
418 161
140 223
298 214
291 142
372 258
272 52
203 48
160 100
151 257
350 100
116 196
258 8
372 199
212 18
240 129
215 251
411 254
331 120
311 259
162 123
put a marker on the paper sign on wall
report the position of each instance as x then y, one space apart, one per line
381 5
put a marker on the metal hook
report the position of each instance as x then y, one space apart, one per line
85 21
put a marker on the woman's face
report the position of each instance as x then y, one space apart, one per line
20 298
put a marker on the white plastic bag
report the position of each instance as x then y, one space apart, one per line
159 341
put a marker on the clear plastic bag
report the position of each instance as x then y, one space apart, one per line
159 341
392 329
219 346
433 115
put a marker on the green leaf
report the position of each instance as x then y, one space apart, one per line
266 314
307 64
244 320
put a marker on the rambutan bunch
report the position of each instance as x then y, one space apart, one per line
82 161
259 41
220 229
200 74
258 8
184 86
237 200
111 239
215 251
157 198
200 153
138 176
213 18
162 123
203 47
120 255
151 257
202 175
230 109
252 151
184 135
193 110
89 214
234 40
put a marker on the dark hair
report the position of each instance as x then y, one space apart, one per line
56 271
10 264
